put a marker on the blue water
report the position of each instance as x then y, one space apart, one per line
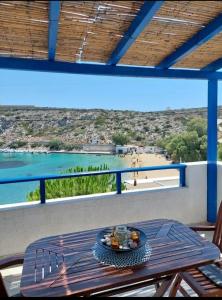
28 164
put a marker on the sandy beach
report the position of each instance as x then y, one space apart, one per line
145 160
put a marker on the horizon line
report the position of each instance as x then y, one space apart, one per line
14 106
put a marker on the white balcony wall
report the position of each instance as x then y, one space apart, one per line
22 224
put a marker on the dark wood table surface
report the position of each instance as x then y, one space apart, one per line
64 265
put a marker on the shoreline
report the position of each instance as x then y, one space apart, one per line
146 160
54 151
135 160
132 160
144 179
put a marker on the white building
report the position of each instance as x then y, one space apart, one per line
95 140
126 149
122 149
150 149
154 149
99 148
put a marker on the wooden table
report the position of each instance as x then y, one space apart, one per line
64 265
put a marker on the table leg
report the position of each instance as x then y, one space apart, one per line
166 283
175 287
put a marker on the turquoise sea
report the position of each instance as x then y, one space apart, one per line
28 164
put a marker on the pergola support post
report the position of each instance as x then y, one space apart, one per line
212 151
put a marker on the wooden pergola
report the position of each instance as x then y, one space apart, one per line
162 39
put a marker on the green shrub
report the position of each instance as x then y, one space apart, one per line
139 138
36 144
77 147
100 120
17 144
68 147
68 187
190 145
55 145
120 139
220 151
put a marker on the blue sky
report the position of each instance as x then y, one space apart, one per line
75 91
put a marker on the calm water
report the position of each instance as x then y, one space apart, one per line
28 164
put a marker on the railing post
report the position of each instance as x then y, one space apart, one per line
212 151
42 191
118 183
182 177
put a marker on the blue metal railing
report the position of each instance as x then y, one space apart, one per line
180 167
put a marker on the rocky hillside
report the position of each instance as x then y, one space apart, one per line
34 127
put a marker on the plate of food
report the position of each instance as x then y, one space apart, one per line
121 238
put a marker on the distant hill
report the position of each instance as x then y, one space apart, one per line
34 127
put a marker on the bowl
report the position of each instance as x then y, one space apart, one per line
142 241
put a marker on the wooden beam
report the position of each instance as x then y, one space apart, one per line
101 69
54 12
214 66
201 37
143 18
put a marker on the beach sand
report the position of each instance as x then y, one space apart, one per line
145 160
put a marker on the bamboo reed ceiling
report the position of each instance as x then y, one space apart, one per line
91 30
204 55
173 25
24 29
